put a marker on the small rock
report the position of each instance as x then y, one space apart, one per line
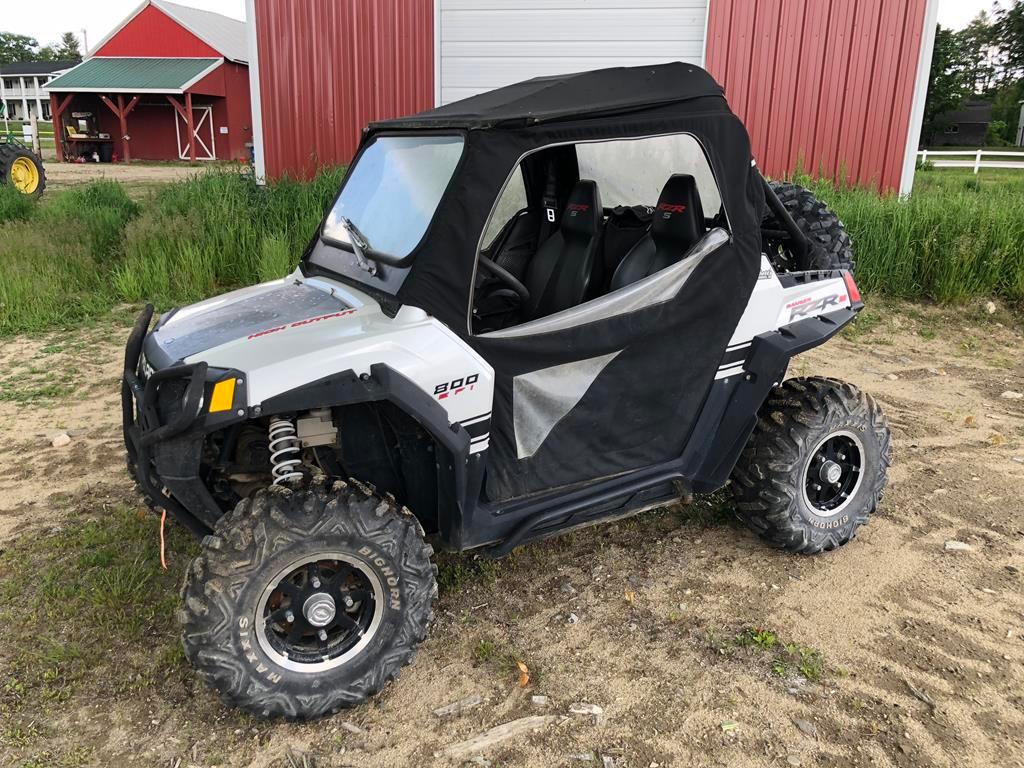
990 307
793 760
806 727
61 440
573 618
1019 459
352 728
460 706
540 701
583 709
957 546
607 761
988 591
583 757
891 377
1011 395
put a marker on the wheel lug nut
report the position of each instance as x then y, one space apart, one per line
322 634
290 617
817 487
842 457
316 583
348 601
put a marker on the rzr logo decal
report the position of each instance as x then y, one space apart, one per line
298 323
579 207
456 386
810 306
671 207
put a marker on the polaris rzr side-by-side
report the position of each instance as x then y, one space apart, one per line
557 303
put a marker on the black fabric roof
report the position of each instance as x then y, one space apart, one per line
618 90
37 67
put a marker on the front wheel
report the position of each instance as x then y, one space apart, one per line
304 602
814 469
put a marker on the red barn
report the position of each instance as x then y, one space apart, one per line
169 83
836 87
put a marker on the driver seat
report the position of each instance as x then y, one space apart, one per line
677 226
559 274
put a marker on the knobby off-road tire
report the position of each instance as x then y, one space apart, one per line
22 169
774 481
225 598
831 245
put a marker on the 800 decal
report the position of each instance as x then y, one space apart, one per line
456 386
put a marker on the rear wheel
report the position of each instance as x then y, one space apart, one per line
22 169
831 245
814 469
308 601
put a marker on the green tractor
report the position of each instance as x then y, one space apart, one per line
19 165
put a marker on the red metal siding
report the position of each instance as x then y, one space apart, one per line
327 67
826 85
154 33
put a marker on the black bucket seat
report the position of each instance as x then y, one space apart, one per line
677 226
560 272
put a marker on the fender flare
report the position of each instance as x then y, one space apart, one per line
382 383
764 369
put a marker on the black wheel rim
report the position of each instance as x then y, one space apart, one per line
834 473
319 612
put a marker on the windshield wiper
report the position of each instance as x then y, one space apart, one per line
359 245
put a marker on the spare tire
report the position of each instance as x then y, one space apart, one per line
830 244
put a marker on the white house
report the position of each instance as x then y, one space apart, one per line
23 87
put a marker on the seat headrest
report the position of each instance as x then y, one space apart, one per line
583 213
679 216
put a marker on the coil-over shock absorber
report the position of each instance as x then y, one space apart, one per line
284 450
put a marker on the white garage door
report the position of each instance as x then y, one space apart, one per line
484 44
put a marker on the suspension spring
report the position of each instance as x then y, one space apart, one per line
284 451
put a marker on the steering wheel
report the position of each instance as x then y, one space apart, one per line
506 277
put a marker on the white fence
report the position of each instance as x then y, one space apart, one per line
976 159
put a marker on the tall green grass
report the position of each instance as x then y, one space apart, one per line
75 254
956 238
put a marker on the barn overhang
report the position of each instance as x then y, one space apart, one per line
103 74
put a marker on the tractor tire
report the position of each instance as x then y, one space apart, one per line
22 169
831 245
304 602
815 467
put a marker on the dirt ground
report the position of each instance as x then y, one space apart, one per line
702 646
134 175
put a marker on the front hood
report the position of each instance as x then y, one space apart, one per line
237 315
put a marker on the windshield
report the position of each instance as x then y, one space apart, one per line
391 194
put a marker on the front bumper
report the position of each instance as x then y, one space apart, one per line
164 428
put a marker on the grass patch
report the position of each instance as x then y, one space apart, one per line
86 608
76 254
784 659
457 571
956 238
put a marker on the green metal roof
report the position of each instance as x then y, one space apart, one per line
106 74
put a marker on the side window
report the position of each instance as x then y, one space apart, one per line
633 171
511 201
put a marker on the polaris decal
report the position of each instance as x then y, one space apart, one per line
456 386
671 208
809 306
299 323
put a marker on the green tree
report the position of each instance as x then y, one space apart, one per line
948 83
1009 36
14 47
68 48
978 52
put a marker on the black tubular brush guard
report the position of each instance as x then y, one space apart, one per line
141 420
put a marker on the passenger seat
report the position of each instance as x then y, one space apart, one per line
677 226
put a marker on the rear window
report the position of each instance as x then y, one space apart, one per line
392 192
633 171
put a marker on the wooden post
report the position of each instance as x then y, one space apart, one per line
191 128
123 118
57 113
121 111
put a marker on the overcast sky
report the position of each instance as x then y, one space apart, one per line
46 20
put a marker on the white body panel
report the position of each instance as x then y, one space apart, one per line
415 345
486 44
772 306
